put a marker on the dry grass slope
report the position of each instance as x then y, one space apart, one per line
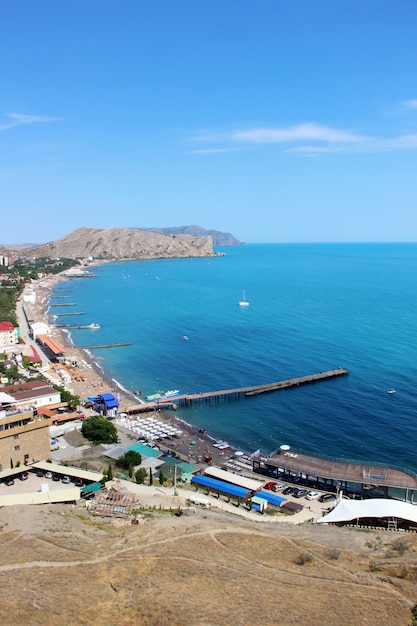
59 567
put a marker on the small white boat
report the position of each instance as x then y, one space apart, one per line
392 390
93 326
171 393
185 338
243 302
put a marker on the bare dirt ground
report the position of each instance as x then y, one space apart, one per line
61 567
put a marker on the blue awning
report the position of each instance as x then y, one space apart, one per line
271 497
220 486
109 400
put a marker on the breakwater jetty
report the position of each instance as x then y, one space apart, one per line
108 345
254 390
74 313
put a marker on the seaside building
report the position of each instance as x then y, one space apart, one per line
30 396
8 334
53 350
24 437
106 404
38 328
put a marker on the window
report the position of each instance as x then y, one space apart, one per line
16 436
17 447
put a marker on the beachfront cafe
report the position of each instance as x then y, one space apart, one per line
354 478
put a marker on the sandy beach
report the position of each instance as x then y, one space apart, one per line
194 445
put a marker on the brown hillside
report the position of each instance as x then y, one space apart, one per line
206 568
123 243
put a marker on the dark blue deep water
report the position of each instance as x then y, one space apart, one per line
313 307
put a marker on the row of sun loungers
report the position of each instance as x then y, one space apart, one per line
150 428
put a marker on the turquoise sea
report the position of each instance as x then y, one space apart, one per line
313 307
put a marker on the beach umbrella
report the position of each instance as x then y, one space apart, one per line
239 453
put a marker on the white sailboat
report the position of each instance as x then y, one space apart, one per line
243 302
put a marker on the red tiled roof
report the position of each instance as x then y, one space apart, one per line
50 343
6 326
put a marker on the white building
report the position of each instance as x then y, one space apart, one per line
8 334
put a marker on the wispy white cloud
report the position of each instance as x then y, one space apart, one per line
408 105
17 119
212 150
301 132
307 139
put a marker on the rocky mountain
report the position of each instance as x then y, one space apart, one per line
123 243
219 238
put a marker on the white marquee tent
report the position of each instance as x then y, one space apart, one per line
351 510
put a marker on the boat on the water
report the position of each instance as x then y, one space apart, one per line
392 390
153 397
93 326
171 393
185 338
243 302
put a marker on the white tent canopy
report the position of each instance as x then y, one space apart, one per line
351 510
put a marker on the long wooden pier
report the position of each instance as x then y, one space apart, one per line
225 394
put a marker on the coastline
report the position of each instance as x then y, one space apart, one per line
194 446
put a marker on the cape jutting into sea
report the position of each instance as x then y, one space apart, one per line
313 307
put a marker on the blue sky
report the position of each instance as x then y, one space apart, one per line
275 120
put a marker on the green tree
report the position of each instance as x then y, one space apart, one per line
11 372
150 476
162 477
140 476
110 472
98 429
66 396
130 459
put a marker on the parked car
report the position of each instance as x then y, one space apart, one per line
300 493
278 487
327 497
312 495
66 480
270 485
290 490
23 476
39 473
9 482
48 474
56 477
78 482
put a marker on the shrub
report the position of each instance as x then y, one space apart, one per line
130 459
401 545
334 554
140 476
304 557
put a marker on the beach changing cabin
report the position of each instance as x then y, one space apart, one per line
107 404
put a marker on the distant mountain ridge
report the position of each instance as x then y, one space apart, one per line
219 238
123 243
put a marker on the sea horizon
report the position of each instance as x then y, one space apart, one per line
313 307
